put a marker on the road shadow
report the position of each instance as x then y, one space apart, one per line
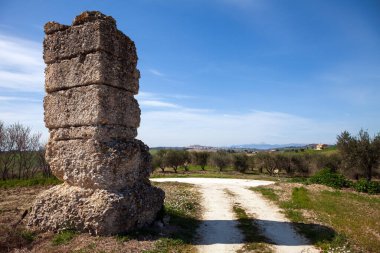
314 233
184 228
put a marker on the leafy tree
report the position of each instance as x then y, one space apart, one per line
158 160
361 152
200 158
221 160
251 162
265 161
300 164
174 159
272 162
240 162
186 159
283 162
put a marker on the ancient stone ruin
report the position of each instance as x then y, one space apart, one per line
92 117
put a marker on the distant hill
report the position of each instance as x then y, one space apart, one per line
265 146
262 146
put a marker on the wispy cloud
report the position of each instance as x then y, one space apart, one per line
156 103
184 126
21 64
156 72
15 99
165 123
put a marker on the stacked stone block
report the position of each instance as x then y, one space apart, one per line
92 117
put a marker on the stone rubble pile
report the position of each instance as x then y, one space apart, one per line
92 117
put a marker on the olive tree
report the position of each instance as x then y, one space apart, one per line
221 160
200 158
175 159
158 160
240 162
361 152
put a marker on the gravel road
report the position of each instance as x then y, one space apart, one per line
218 231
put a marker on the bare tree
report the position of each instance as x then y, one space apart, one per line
7 154
42 163
18 151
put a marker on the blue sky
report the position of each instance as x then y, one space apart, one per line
219 72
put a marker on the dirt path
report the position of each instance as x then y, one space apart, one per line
218 232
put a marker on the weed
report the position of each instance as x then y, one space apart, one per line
123 238
63 237
28 236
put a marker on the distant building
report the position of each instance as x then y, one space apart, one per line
320 146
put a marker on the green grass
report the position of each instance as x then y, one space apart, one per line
15 237
182 205
254 240
300 199
355 216
63 237
269 193
166 245
326 151
28 236
350 220
11 183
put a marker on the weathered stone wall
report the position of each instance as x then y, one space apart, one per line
92 117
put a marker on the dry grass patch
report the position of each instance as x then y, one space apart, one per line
182 212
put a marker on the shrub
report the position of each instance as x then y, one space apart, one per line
371 187
327 177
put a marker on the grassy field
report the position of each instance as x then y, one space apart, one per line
334 220
326 151
182 213
212 172
12 183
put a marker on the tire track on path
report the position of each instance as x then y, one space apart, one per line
218 232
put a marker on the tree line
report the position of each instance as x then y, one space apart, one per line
356 157
22 155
